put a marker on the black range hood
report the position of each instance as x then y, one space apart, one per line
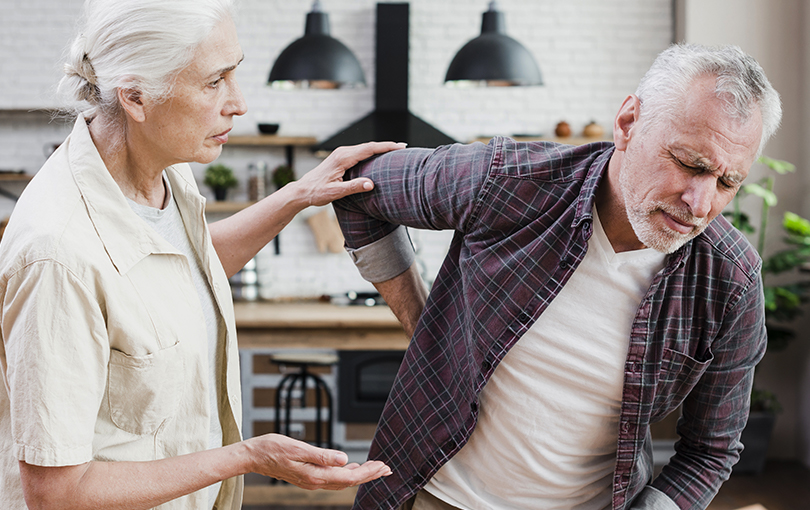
391 120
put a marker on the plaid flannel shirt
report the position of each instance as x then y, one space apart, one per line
522 219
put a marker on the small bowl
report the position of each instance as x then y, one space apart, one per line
268 129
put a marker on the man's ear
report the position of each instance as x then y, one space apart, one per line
132 102
625 121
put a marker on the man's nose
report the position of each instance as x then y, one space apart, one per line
699 195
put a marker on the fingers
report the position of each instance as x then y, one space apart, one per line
338 478
328 469
349 156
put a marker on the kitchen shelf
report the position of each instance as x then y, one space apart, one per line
272 140
226 207
9 177
288 142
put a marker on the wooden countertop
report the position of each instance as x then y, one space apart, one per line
317 325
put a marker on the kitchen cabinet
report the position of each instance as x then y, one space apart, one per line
316 325
267 328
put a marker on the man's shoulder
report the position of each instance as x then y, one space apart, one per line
548 160
727 244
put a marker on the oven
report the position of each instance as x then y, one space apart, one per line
364 381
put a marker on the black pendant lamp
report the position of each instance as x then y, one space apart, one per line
493 58
316 60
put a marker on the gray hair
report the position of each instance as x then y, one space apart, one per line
136 44
741 83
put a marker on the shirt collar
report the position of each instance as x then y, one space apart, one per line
596 170
126 238
587 198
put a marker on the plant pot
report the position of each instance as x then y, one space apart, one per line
756 437
220 194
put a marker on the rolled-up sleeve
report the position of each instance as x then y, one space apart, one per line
418 188
384 259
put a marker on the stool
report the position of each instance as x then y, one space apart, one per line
285 389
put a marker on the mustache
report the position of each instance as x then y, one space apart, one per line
682 215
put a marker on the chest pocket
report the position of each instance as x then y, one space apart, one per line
144 391
678 375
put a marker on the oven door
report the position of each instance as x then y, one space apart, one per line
365 379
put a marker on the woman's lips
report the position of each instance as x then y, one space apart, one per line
222 137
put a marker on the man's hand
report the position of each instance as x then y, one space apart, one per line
307 466
324 183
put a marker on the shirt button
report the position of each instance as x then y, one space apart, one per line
473 406
485 366
564 264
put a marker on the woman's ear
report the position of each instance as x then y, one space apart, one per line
132 102
625 121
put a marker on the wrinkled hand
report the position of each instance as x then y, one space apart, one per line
324 183
307 466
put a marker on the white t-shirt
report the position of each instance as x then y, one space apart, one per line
548 424
169 224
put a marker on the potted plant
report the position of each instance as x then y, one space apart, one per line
782 300
283 175
220 178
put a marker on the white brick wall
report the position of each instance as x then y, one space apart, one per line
591 53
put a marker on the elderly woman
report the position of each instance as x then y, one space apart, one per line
119 359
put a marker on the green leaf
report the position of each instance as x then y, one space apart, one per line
796 225
777 165
769 197
785 260
764 400
740 221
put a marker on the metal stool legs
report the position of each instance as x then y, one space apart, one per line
284 395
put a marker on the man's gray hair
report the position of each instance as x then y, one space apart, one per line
741 83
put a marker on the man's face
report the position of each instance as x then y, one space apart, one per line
679 173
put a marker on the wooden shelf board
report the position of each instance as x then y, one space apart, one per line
271 140
226 207
14 177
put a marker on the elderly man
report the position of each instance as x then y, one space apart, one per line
588 292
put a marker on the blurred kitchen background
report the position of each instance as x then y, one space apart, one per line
591 54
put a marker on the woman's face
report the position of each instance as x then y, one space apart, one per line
194 122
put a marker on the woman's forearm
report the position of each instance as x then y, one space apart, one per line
143 485
239 238
128 485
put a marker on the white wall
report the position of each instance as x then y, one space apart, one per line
591 52
773 32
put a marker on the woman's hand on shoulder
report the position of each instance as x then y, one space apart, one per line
324 183
307 466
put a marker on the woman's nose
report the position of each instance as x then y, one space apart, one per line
236 105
